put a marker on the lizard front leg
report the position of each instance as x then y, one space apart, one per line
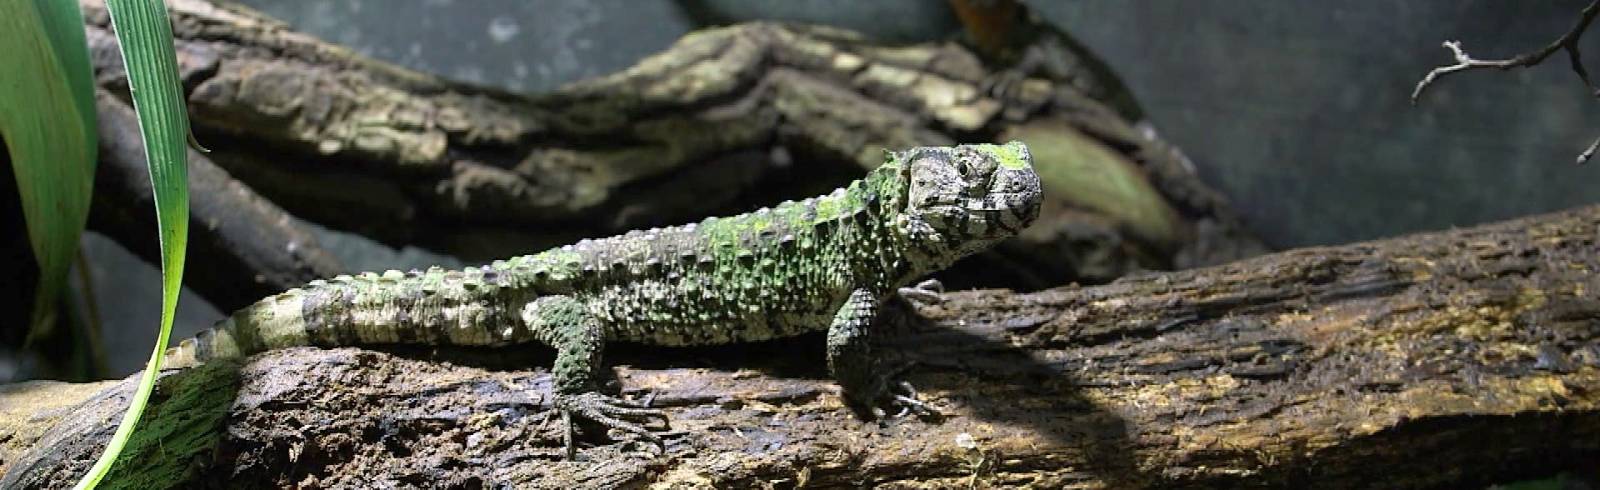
852 364
562 322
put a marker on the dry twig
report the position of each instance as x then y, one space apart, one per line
1568 42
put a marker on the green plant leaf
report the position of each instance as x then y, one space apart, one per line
145 34
47 120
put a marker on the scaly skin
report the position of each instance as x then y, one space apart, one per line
825 263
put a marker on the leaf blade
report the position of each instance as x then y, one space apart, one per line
47 119
145 34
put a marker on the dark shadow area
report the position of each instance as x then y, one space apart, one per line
16 257
17 293
1462 447
1045 397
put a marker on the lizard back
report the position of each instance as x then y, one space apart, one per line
774 272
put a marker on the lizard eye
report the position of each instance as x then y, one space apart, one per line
978 184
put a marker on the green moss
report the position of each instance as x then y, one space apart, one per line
184 423
1010 154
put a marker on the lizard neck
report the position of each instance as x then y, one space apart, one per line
913 253
904 258
887 258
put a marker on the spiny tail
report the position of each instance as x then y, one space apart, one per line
219 342
267 324
434 307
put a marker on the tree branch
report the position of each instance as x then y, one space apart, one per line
1568 42
241 246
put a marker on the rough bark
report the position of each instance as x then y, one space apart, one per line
1451 358
727 120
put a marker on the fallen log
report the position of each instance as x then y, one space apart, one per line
1453 358
725 121
242 246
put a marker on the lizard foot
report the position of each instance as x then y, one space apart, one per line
612 412
896 396
902 397
925 293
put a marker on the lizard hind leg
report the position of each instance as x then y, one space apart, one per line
564 323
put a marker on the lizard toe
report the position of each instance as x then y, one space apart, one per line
894 401
910 405
906 389
925 293
902 397
613 413
905 397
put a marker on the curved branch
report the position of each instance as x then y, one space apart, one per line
243 246
1568 42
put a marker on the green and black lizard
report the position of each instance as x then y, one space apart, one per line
825 263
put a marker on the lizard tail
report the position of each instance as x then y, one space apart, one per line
273 321
220 342
430 308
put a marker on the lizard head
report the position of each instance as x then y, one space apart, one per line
959 200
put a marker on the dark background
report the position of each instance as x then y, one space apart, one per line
1296 109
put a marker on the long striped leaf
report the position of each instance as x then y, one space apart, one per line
145 34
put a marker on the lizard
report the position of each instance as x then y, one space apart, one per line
824 263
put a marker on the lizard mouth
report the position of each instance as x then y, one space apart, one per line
996 215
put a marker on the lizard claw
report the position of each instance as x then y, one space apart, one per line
906 389
925 293
901 398
612 412
904 397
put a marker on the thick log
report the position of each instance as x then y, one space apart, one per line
241 247
726 121
1452 358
